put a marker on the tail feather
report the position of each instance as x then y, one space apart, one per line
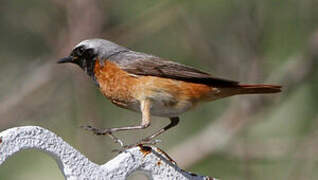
257 89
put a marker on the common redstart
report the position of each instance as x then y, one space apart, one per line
151 85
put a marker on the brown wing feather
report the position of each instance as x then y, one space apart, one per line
147 65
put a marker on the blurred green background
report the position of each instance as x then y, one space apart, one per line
251 41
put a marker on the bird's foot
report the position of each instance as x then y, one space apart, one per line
97 131
145 141
109 132
149 141
139 143
100 132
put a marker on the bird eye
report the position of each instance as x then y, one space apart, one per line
80 51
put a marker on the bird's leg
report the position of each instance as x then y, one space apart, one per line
145 122
150 139
173 122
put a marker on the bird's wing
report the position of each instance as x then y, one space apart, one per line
148 65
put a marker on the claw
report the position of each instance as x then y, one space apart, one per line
150 142
86 127
96 131
156 141
142 142
115 139
99 132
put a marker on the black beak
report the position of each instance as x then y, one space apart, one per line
67 59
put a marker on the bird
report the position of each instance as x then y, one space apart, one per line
151 85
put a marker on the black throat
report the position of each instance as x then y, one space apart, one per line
88 66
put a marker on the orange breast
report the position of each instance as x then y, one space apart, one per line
115 84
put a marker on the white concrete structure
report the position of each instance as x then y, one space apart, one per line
149 160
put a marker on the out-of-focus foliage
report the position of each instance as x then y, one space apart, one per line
253 41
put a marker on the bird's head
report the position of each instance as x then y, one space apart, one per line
88 51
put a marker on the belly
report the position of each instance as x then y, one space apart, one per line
161 109
162 104
169 98
167 104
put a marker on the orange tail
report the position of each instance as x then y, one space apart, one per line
257 89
